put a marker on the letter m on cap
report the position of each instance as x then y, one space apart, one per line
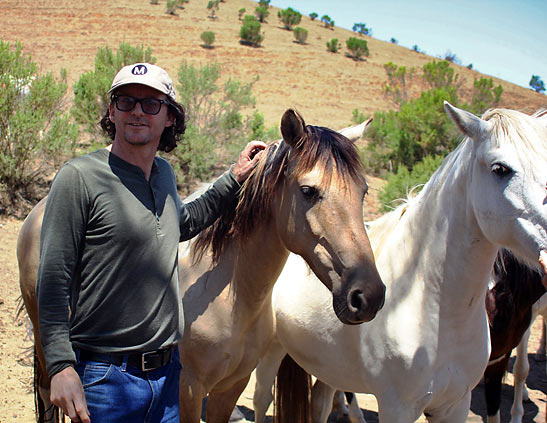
139 70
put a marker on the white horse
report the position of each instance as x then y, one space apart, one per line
429 346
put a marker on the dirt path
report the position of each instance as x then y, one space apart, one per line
16 398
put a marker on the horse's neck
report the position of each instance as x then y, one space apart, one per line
440 250
257 263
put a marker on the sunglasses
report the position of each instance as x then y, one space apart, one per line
150 106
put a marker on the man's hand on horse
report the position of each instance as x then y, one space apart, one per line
247 160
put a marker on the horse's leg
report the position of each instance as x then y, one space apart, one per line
265 373
520 373
191 396
339 405
322 396
220 405
392 410
455 413
541 351
493 378
355 414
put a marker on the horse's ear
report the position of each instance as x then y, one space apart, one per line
354 133
468 124
293 127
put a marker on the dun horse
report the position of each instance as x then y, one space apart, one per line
305 196
429 346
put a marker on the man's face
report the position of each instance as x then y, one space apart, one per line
135 127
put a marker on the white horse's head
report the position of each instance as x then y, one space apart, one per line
508 177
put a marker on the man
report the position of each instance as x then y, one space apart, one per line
108 253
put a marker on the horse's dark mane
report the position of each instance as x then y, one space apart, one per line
319 145
517 287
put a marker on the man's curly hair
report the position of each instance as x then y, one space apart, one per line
170 136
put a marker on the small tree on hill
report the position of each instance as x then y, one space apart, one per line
208 38
264 3
213 7
262 13
171 7
300 34
357 47
249 33
313 16
327 21
537 84
289 17
333 45
361 28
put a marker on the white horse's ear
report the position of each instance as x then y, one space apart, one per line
354 133
468 124
293 127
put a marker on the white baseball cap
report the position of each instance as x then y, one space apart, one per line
144 74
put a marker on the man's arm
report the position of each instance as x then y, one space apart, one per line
63 229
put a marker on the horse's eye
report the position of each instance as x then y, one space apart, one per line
501 170
309 192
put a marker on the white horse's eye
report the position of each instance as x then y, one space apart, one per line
501 170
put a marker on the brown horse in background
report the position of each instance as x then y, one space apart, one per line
516 288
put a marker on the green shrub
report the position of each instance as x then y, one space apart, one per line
36 136
91 91
213 7
249 33
421 127
240 13
262 13
485 95
300 34
264 3
397 76
208 38
439 74
217 125
313 16
171 7
289 17
357 47
333 45
399 185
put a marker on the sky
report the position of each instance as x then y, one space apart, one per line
502 38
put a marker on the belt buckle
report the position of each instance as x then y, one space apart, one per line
144 362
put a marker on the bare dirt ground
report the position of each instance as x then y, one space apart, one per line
324 87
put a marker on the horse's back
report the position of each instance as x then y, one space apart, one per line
28 257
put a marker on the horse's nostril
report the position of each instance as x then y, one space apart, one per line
357 300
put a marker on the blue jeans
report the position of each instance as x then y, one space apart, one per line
121 394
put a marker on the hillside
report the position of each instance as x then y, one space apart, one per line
323 86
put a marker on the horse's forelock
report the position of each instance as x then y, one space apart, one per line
527 134
332 150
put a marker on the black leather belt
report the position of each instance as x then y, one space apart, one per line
150 360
